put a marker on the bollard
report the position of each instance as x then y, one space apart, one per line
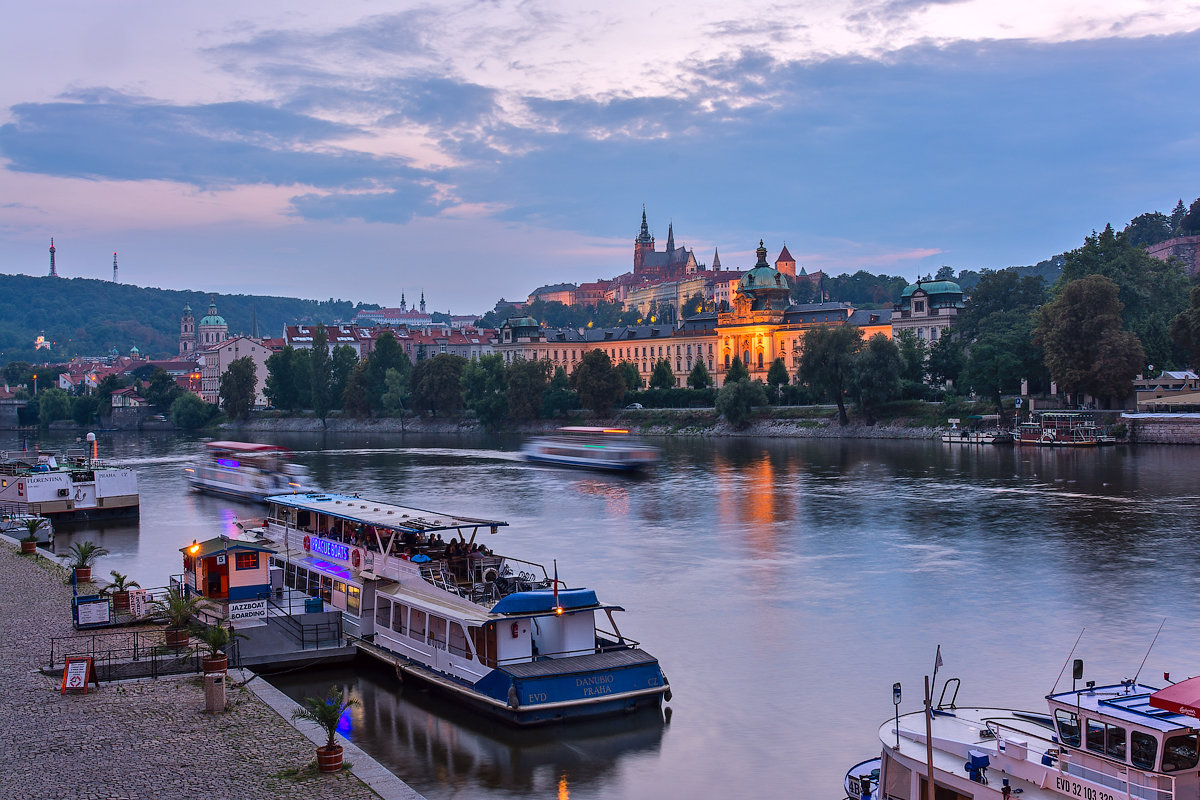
214 693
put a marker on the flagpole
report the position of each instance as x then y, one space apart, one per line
929 793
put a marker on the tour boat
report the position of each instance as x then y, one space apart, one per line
501 634
75 488
247 471
957 435
608 449
1059 429
1126 740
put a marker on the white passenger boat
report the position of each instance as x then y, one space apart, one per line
247 470
976 434
75 487
498 633
1125 740
13 522
609 449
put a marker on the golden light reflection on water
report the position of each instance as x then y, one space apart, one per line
615 495
563 792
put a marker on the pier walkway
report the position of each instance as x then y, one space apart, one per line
143 739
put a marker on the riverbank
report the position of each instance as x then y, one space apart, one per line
139 738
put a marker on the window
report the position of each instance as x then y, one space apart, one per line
416 625
458 641
1106 739
400 619
933 333
760 359
1179 752
1068 727
437 632
383 613
1142 749
326 588
918 305
354 600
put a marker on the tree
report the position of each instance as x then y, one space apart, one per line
280 385
1152 292
1177 216
737 399
396 391
1087 348
1185 330
998 291
18 373
354 397
661 377
1001 355
485 389
699 378
945 273
913 354
320 373
777 377
825 362
629 373
83 409
946 359
1148 229
1190 224
737 371
190 412
53 404
696 304
237 388
161 390
527 381
342 365
437 384
104 389
387 355
558 398
875 374
599 385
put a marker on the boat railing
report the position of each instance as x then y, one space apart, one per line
607 641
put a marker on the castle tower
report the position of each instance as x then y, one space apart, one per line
53 269
716 265
115 268
403 303
187 333
671 236
785 263
644 243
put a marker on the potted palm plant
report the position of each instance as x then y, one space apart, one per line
218 638
175 609
82 556
30 539
118 590
326 712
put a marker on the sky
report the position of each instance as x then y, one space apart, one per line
470 151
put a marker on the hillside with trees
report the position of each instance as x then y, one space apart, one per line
82 316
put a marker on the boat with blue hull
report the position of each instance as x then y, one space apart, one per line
500 634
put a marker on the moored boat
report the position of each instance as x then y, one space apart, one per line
75 487
976 434
246 470
1059 429
500 634
1125 740
608 449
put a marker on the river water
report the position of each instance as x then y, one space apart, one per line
783 584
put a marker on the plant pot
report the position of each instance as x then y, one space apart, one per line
120 602
177 638
217 663
28 548
329 759
83 574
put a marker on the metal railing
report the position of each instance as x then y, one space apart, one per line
128 654
309 635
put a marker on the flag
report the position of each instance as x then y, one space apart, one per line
937 664
556 583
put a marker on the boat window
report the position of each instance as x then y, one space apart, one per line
326 588
485 643
246 561
1106 739
437 631
416 625
400 618
1068 727
458 641
339 586
1142 749
354 600
383 612
1179 752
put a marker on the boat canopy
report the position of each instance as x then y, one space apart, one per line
381 515
246 447
542 600
1181 698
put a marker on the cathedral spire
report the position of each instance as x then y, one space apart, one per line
670 236
716 265
403 303
644 237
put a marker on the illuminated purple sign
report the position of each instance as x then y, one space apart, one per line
329 549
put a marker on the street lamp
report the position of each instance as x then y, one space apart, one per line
35 384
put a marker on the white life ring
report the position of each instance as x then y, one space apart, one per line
490 574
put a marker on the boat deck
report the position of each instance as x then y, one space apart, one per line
611 659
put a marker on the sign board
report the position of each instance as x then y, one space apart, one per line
250 609
1017 402
92 612
137 602
77 673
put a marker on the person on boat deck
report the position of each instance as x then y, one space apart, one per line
408 554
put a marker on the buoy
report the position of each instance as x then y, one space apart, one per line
513 700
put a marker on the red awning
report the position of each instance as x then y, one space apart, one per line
1182 698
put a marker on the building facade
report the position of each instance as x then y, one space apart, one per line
928 308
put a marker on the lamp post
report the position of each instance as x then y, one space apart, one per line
35 384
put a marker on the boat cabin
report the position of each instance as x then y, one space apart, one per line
227 570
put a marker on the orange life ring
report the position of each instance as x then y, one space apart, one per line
356 558
307 543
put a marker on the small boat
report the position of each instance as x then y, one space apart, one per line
12 522
1125 740
1059 429
497 633
609 449
975 435
75 487
247 471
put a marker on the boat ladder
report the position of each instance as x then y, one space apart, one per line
434 574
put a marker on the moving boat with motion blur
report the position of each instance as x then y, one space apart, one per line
247 471
499 633
1123 740
608 449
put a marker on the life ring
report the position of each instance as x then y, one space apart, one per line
356 558
490 574
307 543
1048 436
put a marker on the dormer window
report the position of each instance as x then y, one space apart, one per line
918 306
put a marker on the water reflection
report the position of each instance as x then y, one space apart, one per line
443 751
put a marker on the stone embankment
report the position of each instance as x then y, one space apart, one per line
137 739
1164 429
